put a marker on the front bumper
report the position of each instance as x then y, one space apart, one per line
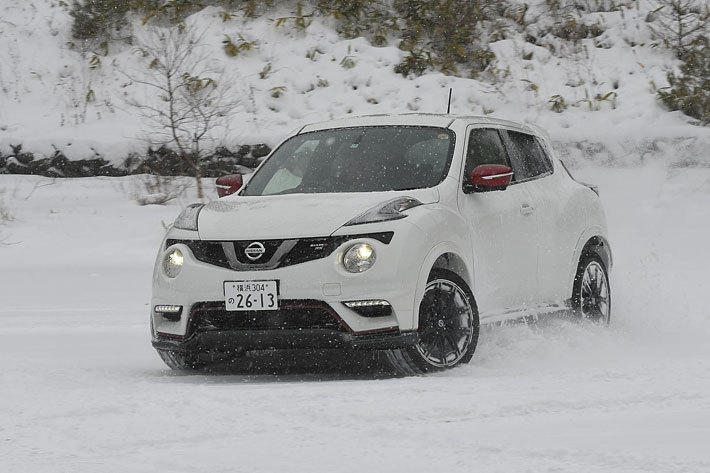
393 278
296 324
232 341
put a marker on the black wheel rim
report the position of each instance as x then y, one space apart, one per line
594 293
446 319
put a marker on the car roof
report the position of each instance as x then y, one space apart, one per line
414 119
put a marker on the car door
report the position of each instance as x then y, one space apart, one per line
547 197
503 231
558 246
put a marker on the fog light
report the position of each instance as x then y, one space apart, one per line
359 258
168 309
173 263
170 312
372 303
370 308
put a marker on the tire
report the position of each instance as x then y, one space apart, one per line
448 328
181 361
591 292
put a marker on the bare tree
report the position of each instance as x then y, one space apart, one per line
191 105
680 23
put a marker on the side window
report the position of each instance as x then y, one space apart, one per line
529 157
484 147
545 158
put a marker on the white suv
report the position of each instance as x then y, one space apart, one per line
392 233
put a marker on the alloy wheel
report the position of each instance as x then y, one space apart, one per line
594 293
446 329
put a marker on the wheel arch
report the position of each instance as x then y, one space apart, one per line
592 242
445 255
598 245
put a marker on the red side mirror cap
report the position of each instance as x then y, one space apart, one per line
491 177
228 185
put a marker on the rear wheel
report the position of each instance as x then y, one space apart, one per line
448 327
591 294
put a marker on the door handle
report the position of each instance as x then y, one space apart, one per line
527 209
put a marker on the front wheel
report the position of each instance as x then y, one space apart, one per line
448 327
181 361
591 294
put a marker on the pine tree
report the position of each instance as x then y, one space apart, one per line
98 18
679 23
689 92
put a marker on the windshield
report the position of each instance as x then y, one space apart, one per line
362 159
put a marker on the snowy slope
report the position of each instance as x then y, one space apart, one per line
81 389
50 96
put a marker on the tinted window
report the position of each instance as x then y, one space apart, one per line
484 147
529 158
543 155
362 159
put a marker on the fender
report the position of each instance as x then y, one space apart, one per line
588 234
428 264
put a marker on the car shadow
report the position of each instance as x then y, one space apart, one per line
268 366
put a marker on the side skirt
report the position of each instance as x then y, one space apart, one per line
524 313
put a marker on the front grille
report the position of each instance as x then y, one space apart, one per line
291 315
309 249
210 252
278 253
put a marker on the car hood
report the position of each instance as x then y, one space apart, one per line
292 215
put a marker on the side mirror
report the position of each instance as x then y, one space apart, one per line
491 177
228 185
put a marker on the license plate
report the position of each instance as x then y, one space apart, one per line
251 295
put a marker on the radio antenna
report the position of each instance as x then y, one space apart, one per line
448 107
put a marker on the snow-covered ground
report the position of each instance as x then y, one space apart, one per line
81 389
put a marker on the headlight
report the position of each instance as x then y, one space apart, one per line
187 220
359 258
390 210
173 263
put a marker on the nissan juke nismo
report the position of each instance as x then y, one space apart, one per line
397 234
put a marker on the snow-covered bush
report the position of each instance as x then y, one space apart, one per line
449 35
680 24
376 20
151 189
94 19
689 91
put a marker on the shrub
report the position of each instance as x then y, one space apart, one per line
557 103
679 24
153 189
689 91
416 62
98 18
233 49
572 29
448 34
360 18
